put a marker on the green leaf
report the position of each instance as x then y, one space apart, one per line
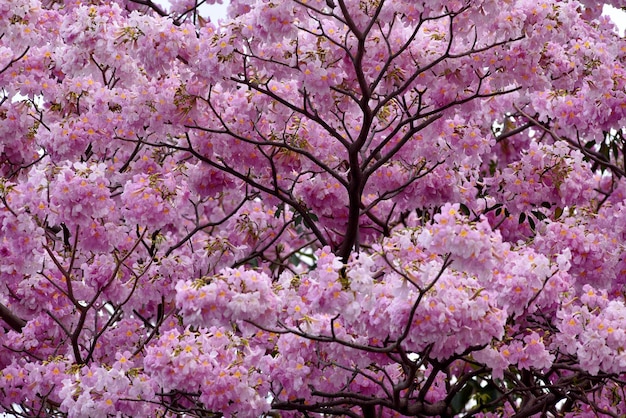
522 218
464 210
539 215
590 144
558 212
279 210
488 394
463 397
493 166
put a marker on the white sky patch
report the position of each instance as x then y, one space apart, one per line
618 16
215 12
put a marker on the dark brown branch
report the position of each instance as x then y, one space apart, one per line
16 323
152 6
14 60
200 227
594 156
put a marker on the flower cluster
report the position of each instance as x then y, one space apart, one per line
233 296
594 255
102 391
31 384
214 362
150 200
455 314
526 352
80 194
545 174
311 207
592 329
472 246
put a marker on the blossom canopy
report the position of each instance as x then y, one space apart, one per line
361 208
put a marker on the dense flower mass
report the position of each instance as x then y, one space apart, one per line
312 208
